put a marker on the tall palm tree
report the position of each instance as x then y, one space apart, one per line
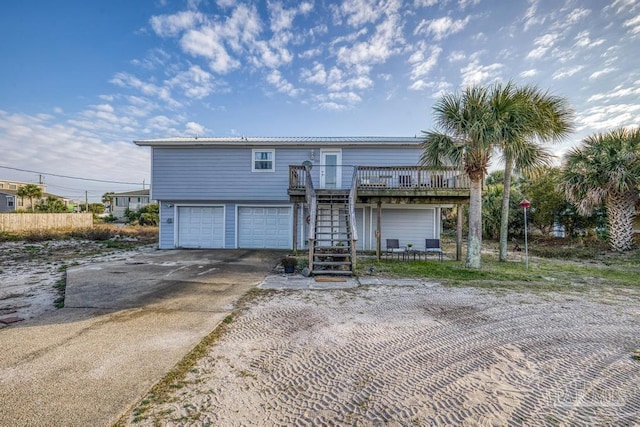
467 139
528 117
31 191
606 169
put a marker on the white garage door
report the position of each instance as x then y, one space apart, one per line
263 227
200 227
408 226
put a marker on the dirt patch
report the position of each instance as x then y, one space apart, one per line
415 355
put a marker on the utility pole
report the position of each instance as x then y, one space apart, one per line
86 201
143 184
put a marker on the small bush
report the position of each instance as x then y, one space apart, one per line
93 233
41 235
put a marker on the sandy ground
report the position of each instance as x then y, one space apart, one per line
419 354
29 271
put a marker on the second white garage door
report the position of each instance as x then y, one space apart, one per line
200 227
264 227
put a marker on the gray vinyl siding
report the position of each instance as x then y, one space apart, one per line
220 173
230 226
408 226
167 218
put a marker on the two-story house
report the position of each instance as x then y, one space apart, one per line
329 195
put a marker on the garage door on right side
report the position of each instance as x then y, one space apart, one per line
265 227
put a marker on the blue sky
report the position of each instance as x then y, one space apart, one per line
81 79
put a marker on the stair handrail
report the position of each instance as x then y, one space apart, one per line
310 194
353 193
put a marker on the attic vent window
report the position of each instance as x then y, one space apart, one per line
263 160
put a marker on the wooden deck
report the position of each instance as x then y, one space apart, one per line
396 184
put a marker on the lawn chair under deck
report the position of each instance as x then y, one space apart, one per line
432 246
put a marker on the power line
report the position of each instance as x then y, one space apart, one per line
72 177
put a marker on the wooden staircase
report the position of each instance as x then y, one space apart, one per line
331 252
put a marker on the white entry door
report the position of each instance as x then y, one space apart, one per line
331 168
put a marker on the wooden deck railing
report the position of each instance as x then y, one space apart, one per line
389 178
410 177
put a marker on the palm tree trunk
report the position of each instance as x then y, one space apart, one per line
504 220
621 209
474 241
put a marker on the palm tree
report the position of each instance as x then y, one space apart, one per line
527 117
31 191
606 169
467 139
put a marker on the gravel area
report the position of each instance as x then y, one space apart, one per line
417 354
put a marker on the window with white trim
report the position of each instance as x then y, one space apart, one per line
263 160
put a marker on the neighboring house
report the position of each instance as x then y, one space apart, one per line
335 195
131 200
11 202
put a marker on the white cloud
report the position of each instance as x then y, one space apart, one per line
239 31
194 82
419 85
567 72
577 14
148 89
205 42
623 5
456 55
529 73
196 129
360 12
583 40
310 53
423 62
633 24
425 3
474 73
531 17
542 45
441 28
464 3
382 44
172 25
617 92
604 117
317 75
281 84
602 72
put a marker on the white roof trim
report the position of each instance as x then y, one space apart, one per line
273 141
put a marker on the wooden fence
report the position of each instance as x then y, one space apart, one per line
44 221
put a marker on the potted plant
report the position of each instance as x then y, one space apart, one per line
289 263
409 245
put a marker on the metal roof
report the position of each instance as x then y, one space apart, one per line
282 140
144 192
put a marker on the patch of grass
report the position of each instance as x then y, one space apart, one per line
552 273
61 287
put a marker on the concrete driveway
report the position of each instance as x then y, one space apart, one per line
124 325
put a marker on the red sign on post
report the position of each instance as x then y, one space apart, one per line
525 203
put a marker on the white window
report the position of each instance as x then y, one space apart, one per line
10 202
263 160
